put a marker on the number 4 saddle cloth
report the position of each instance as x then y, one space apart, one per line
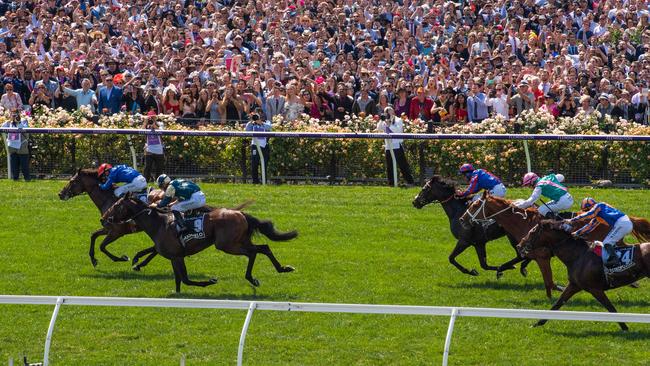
627 271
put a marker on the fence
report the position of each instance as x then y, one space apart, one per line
251 306
319 156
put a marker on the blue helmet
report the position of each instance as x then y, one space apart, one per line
587 204
466 168
163 180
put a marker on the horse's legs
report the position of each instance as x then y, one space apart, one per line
177 276
152 253
251 253
111 237
508 265
524 264
569 291
93 238
547 274
604 300
482 257
264 249
460 247
179 264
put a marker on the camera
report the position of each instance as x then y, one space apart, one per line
255 117
383 117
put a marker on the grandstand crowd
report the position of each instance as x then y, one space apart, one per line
208 61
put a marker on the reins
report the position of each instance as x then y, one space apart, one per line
134 216
474 219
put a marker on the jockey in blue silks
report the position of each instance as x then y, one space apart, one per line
480 179
135 182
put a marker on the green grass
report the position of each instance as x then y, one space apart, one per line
357 245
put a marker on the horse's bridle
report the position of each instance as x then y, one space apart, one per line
130 218
473 217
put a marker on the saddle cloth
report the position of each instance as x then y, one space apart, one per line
194 225
625 255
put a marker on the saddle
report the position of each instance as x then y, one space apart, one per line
626 272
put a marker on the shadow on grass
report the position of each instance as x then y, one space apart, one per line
230 296
497 285
131 275
609 332
590 301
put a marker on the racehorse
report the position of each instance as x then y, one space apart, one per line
585 267
86 181
518 222
440 190
229 230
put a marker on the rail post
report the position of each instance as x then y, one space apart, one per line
242 338
450 331
50 329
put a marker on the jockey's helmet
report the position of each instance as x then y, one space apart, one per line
103 169
466 168
587 204
163 180
529 179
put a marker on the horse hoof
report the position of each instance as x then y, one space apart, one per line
124 258
473 272
255 282
136 268
558 288
212 281
94 262
135 261
635 284
499 275
524 272
288 269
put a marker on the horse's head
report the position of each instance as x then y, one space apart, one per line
125 209
533 240
435 190
483 209
79 183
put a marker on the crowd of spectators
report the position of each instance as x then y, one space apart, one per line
217 61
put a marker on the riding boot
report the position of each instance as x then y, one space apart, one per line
180 221
612 259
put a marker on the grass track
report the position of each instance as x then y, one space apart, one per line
356 245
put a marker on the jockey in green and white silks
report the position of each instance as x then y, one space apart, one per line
551 187
187 193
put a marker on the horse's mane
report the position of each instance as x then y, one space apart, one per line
89 172
448 183
548 224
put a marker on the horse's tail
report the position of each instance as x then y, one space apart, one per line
641 229
266 227
243 205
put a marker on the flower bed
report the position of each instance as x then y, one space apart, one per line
355 158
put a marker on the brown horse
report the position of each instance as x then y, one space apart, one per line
229 230
585 268
86 181
518 222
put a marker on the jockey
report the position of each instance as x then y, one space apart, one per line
109 174
600 212
480 179
551 187
188 196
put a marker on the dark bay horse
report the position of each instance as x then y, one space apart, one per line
229 230
86 181
518 222
585 268
440 190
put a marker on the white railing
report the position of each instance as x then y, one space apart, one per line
251 306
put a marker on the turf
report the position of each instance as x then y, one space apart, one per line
357 245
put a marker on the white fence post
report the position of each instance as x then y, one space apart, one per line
528 164
4 139
48 338
134 158
262 162
242 337
395 178
450 331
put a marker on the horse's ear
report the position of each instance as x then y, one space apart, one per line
78 170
